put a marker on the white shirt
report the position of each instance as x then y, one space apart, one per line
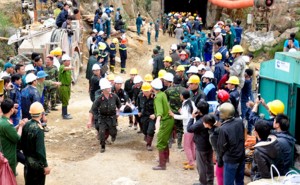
185 115
3 74
89 41
56 63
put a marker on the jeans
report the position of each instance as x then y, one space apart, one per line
156 35
149 37
234 173
138 27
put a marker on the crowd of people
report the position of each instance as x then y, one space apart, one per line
198 73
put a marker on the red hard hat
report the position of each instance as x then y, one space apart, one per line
223 95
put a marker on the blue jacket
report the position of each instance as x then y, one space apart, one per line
210 91
238 34
61 18
29 95
123 51
223 50
194 49
113 50
139 21
246 91
235 99
219 71
15 96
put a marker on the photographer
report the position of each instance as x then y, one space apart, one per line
67 25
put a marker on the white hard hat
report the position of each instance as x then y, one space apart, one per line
118 80
174 47
29 67
168 77
95 31
30 78
101 33
192 69
104 83
96 67
178 25
137 79
157 83
217 30
201 67
208 74
197 59
246 58
292 50
65 57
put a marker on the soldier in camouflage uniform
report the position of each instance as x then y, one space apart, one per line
173 94
50 93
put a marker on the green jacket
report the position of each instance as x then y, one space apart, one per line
52 73
161 106
65 77
9 139
33 143
229 40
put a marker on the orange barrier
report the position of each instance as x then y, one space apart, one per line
233 4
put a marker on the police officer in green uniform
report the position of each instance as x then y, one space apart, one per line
161 109
173 94
65 77
104 108
50 93
33 146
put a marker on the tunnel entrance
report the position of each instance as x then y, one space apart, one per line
193 6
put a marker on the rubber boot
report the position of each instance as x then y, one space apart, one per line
179 140
130 121
162 161
167 154
149 143
65 114
102 149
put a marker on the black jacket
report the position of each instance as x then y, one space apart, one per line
201 136
267 153
145 105
158 64
231 141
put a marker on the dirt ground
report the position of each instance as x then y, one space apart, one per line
73 150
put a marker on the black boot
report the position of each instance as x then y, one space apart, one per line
65 113
102 150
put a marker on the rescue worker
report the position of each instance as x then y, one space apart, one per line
223 50
57 54
50 93
123 55
195 48
161 109
139 23
112 54
173 53
218 36
145 105
173 94
104 109
210 89
196 93
180 77
156 29
94 82
231 146
148 78
117 89
15 96
238 67
29 95
168 65
128 87
219 67
158 63
65 77
229 38
33 145
62 16
136 89
232 84
111 79
184 60
149 30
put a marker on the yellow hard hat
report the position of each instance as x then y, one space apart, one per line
194 79
276 107
133 71
218 56
237 49
102 46
233 80
56 51
115 41
161 73
180 68
36 108
146 86
148 78
110 77
168 59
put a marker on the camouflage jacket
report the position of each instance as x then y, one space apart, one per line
173 95
52 73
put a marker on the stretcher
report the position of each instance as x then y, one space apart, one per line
134 112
